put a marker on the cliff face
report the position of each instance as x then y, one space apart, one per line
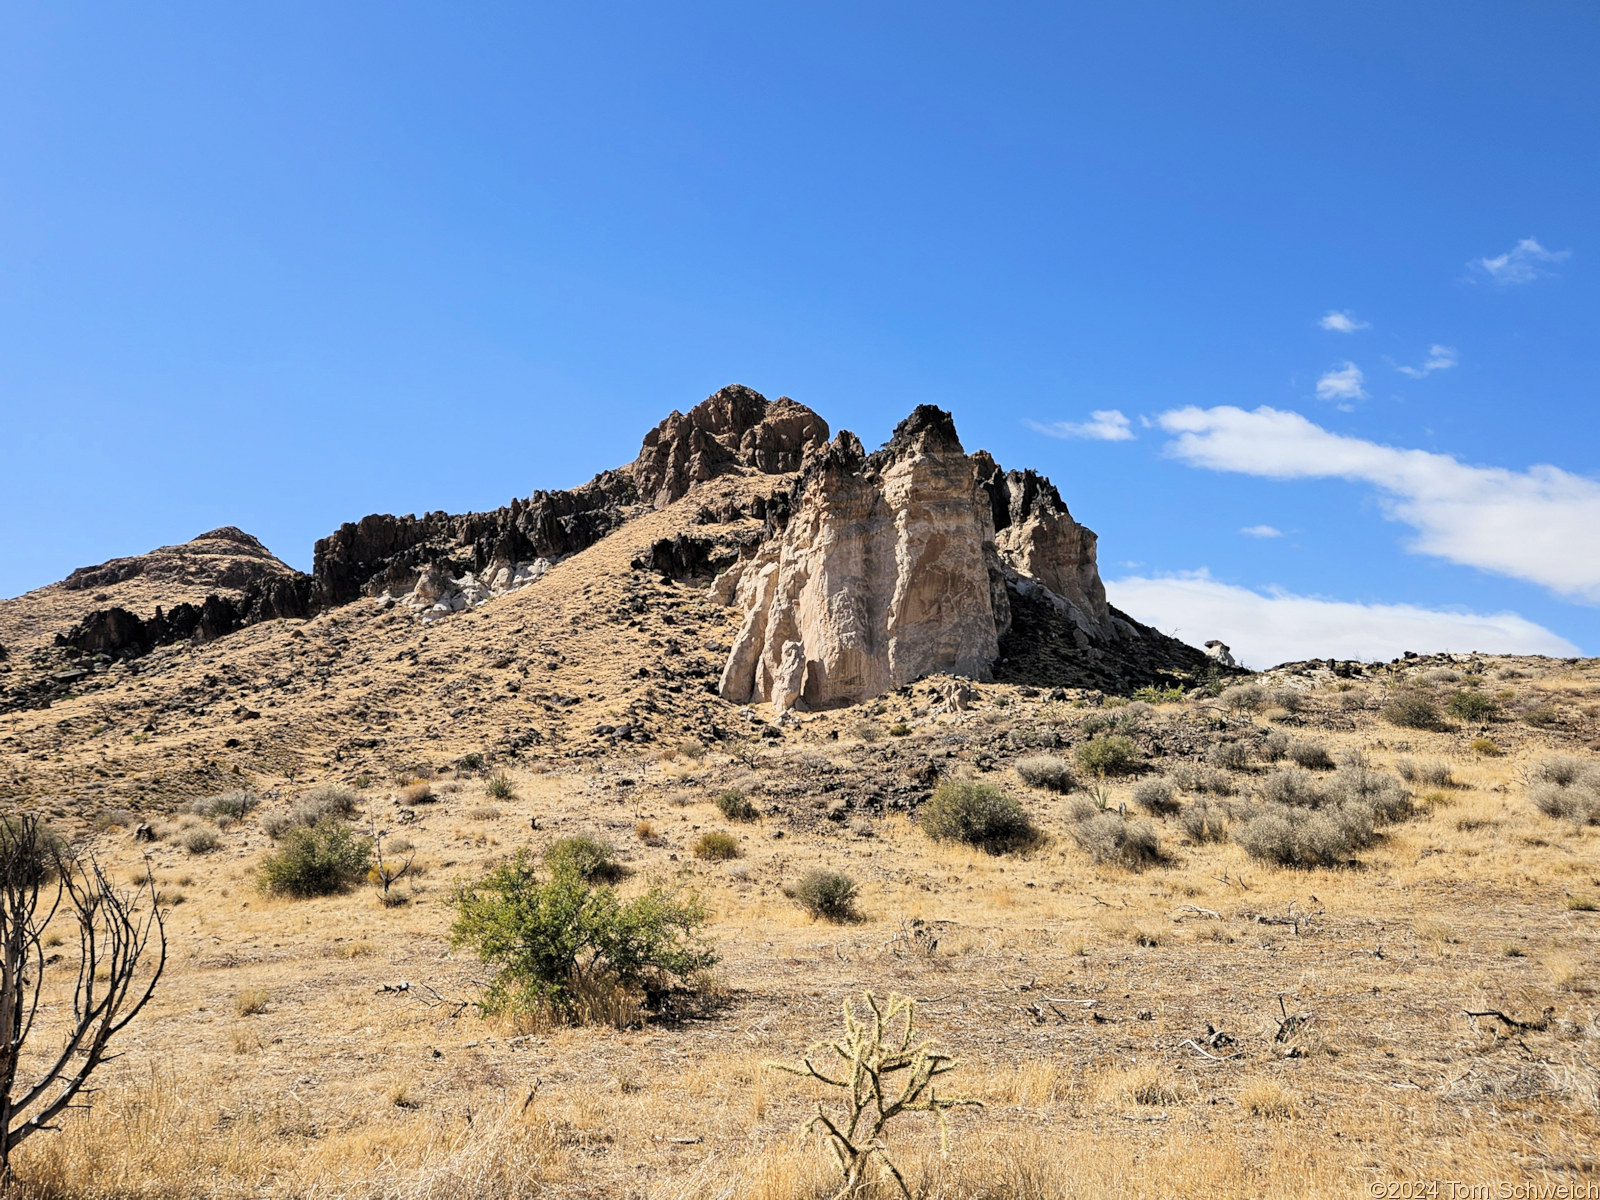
901 564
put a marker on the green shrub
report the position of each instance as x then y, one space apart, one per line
977 814
554 940
1414 710
589 858
1046 771
1487 747
1109 755
1157 695
316 860
716 847
1471 705
735 805
899 729
470 764
499 786
829 895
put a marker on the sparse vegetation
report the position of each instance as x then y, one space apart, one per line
1047 771
499 786
1313 756
1414 710
1471 705
1110 837
977 814
200 839
1203 822
414 794
228 806
829 895
1229 756
1156 796
1486 747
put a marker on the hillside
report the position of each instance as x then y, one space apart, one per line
1237 952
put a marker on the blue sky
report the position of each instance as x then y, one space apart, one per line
282 267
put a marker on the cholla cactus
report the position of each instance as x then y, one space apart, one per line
872 1057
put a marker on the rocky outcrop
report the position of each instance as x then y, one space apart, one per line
122 634
886 571
225 559
915 560
736 428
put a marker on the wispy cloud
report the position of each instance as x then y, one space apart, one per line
1104 425
1440 358
1542 524
1261 531
1345 382
1523 263
1264 628
1343 322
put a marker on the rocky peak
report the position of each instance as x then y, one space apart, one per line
734 427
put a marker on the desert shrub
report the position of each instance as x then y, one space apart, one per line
1290 836
1275 746
1203 822
483 812
1292 787
499 786
867 731
1563 770
735 805
1542 716
716 847
316 860
414 794
588 858
977 814
232 806
330 799
1357 783
899 729
829 895
1313 756
471 763
1245 697
1109 837
1192 778
1230 756
1487 747
1111 754
1442 675
1047 771
1287 699
202 839
555 940
1471 705
1158 695
1156 797
692 749
1431 774
1414 710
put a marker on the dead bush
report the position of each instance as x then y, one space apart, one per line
1204 822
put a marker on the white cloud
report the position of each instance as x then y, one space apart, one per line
1523 263
1261 531
1440 358
1343 322
1105 425
1264 629
1542 524
1344 382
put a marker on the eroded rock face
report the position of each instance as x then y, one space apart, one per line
900 564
